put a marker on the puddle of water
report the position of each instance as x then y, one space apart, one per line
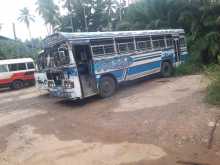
26 148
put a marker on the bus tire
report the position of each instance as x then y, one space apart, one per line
107 86
17 84
166 69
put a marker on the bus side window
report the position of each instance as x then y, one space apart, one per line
125 44
143 43
102 46
30 65
158 42
97 50
3 68
169 41
182 42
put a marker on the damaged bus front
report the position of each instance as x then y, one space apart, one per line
56 69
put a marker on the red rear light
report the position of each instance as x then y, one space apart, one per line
68 84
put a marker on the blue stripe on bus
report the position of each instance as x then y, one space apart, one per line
143 67
146 55
118 74
146 58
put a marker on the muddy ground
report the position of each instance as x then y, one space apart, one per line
149 122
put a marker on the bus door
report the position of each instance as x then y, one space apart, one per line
177 50
83 58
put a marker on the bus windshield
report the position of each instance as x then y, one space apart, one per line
53 57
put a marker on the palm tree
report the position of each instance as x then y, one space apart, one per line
27 18
50 13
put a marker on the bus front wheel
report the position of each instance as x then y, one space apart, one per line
166 69
107 86
17 84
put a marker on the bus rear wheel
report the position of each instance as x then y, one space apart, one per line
107 86
166 69
17 84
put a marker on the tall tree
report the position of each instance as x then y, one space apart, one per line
85 15
111 8
26 18
50 13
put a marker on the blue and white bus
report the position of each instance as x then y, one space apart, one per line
80 65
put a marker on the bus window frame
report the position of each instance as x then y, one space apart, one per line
128 50
97 44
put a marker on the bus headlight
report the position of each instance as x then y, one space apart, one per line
68 84
50 83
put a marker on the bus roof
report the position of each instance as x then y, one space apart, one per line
61 36
15 61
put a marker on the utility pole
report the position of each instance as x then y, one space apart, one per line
85 18
14 31
69 7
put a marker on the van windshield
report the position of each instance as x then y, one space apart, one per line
3 68
53 57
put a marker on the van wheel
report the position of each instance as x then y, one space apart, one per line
107 86
166 69
17 84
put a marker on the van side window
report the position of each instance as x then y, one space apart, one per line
3 68
12 67
21 66
17 67
30 65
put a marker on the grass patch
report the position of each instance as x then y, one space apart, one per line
192 65
187 69
213 94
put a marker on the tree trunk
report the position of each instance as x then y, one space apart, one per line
29 31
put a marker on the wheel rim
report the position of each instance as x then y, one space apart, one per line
106 86
18 85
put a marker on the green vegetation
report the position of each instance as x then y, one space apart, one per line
213 95
16 49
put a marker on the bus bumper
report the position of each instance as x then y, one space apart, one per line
63 93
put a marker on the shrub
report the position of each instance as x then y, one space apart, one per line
213 94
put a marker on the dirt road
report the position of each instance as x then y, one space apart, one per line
154 122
